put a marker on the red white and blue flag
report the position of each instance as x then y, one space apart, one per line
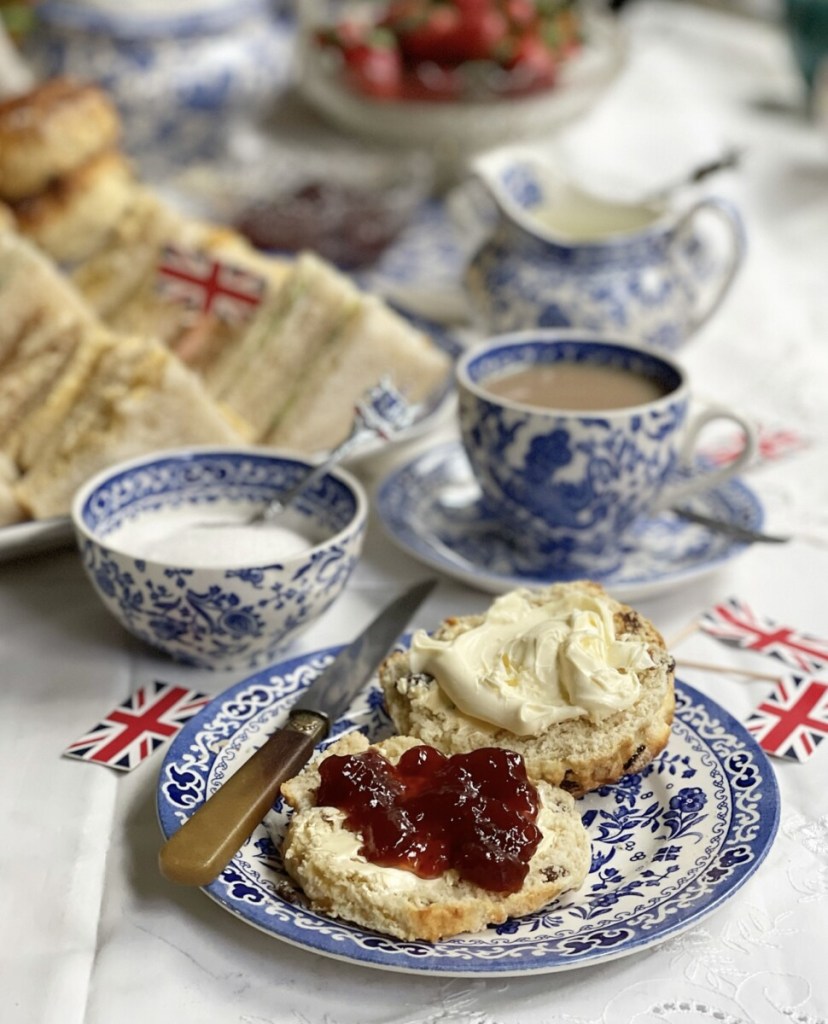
772 443
138 726
735 623
793 719
208 286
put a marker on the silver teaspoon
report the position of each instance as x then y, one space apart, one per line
381 412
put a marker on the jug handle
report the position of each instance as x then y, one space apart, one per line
730 216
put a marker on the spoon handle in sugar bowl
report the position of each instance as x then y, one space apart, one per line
381 411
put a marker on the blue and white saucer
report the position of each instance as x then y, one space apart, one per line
429 507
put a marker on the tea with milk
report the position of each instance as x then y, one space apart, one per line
580 386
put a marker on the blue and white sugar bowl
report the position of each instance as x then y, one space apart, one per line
177 71
554 255
167 545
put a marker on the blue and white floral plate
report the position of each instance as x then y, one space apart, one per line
429 507
669 846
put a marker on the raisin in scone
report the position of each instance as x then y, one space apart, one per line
579 684
329 859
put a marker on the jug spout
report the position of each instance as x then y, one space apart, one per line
539 199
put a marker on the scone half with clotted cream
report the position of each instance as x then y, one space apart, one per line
581 685
442 845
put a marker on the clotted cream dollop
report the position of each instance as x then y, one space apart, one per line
529 665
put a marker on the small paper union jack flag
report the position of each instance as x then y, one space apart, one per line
772 443
733 622
793 719
138 726
205 285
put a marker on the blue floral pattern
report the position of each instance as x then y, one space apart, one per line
668 845
234 617
572 485
171 76
657 284
432 508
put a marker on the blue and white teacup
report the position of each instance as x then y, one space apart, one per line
570 482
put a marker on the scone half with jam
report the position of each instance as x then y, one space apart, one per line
581 685
398 838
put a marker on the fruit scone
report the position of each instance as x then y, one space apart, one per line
578 683
401 839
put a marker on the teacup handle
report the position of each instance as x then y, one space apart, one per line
705 480
730 216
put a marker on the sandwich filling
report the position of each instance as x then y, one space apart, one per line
529 665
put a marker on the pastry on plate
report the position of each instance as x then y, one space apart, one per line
73 218
50 131
578 683
479 842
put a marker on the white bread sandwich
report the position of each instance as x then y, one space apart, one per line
110 277
579 684
466 865
32 291
374 342
43 331
289 371
284 340
74 395
137 303
138 397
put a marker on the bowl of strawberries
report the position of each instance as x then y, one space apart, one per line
455 76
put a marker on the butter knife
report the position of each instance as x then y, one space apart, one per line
206 843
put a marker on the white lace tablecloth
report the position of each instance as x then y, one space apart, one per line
91 933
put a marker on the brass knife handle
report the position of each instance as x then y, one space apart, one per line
205 844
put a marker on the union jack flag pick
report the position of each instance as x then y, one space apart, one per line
793 719
138 726
208 286
735 623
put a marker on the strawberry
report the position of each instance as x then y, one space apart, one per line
483 31
521 13
431 82
373 66
437 37
342 35
532 63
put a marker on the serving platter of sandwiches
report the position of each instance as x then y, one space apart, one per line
127 325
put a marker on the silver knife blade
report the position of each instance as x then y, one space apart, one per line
206 843
333 690
734 530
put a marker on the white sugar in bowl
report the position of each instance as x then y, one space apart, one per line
164 544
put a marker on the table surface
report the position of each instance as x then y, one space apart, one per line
93 933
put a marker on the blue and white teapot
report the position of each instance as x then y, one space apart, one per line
554 255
